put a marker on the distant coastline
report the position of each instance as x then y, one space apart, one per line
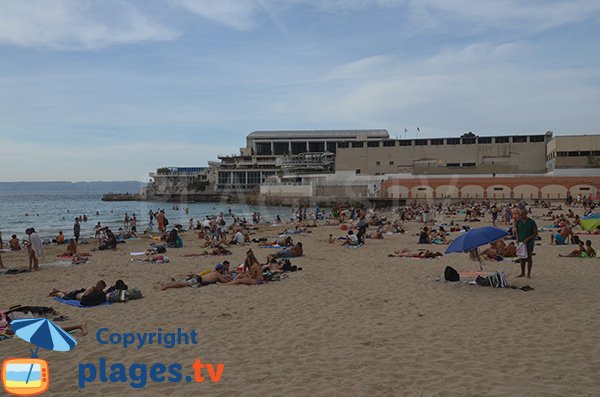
64 187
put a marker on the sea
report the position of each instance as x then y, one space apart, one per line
50 213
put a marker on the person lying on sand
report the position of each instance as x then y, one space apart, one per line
407 253
81 327
196 281
217 251
282 242
292 252
80 293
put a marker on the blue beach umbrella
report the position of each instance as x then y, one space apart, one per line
475 238
43 333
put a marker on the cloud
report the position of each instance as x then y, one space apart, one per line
480 87
232 13
76 24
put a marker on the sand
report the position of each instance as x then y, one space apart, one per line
352 323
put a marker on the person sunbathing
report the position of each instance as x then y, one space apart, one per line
81 327
407 253
577 253
80 293
282 242
254 276
292 252
561 237
351 239
589 251
195 280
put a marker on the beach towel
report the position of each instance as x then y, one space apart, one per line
137 253
275 246
355 246
57 264
76 303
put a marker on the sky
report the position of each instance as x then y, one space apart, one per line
113 89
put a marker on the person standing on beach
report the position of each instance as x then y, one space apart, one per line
76 229
1 244
36 249
527 232
160 219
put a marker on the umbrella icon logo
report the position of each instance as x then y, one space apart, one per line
31 376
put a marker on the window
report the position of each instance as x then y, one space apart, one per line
280 148
468 141
584 188
373 144
358 144
572 154
254 177
537 138
405 142
453 141
484 140
358 171
378 163
239 177
389 143
437 141
343 145
468 164
263 148
501 139
420 142
421 188
585 153
391 162
298 147
331 147
224 178
452 164
316 147
561 154
498 188
596 153
519 139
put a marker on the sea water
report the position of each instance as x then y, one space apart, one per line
50 213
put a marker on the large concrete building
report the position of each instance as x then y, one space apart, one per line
268 153
468 154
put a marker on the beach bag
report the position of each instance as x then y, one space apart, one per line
166 221
522 251
161 249
93 299
498 280
134 293
116 295
450 274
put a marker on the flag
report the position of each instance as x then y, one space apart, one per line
405 130
418 129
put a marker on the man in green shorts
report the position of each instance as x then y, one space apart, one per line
527 232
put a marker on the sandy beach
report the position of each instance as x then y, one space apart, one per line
353 322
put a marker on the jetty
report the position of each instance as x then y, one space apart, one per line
122 197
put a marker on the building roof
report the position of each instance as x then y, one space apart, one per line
379 133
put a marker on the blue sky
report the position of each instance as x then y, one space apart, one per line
111 90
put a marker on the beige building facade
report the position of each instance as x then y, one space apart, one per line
446 156
574 151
